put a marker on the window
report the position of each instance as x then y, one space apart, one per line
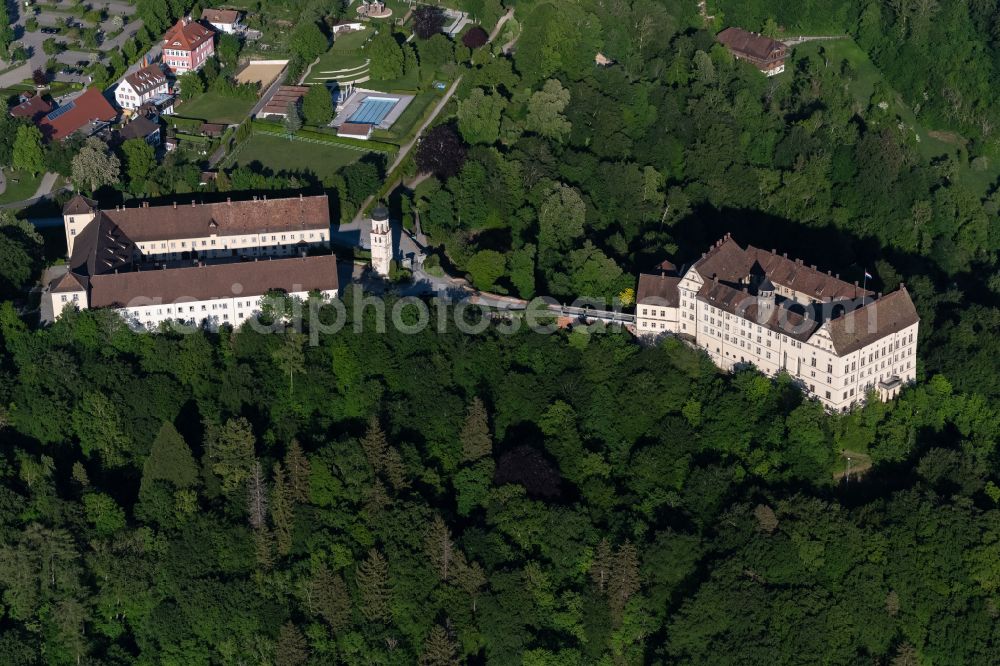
813 361
64 298
829 368
827 395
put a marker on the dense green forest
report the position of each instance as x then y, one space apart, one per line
507 499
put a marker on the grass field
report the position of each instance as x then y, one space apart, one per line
349 41
406 122
213 108
932 143
279 154
24 187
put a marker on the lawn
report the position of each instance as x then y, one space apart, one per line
350 41
280 154
24 188
215 108
412 115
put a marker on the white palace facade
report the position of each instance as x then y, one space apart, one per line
757 307
197 264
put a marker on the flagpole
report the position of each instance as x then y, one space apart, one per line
864 288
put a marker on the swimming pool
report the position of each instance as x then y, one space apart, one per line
373 110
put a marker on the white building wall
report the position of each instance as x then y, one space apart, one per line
251 245
234 310
730 340
127 97
61 301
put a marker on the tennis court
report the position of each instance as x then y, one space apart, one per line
373 110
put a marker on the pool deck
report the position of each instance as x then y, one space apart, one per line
355 101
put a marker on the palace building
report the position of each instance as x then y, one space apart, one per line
757 307
194 263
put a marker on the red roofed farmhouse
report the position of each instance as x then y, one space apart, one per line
187 46
765 53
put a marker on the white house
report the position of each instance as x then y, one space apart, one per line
223 20
140 87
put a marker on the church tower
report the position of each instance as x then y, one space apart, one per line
381 241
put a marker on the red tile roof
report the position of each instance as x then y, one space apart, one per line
354 129
291 214
32 109
202 283
658 290
72 116
220 16
186 35
751 45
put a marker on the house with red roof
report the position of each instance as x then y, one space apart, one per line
32 107
187 45
86 114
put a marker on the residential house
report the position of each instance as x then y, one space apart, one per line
141 87
143 128
31 106
766 54
186 46
223 20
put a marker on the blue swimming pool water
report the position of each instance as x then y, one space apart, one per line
373 110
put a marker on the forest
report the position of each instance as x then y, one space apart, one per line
233 497
446 498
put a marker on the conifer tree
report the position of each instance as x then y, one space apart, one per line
439 649
329 597
297 466
291 648
372 577
375 446
475 435
600 565
170 459
471 578
439 547
281 511
624 580
257 498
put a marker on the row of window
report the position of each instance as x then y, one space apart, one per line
237 241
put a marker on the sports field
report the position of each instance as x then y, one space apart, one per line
262 73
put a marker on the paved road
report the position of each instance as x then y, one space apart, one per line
43 192
802 39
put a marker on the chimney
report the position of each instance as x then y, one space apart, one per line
229 201
879 295
902 285
785 255
774 250
828 273
265 197
255 197
175 205
300 196
813 266
837 275
192 203
798 261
